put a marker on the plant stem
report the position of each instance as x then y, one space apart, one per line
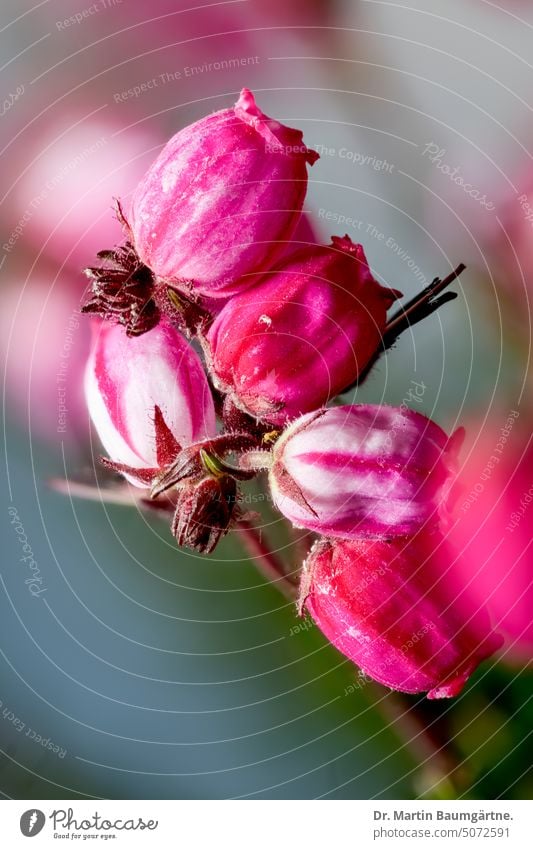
421 306
439 772
265 560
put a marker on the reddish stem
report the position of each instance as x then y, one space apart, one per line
265 560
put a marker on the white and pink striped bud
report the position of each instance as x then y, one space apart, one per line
148 397
363 471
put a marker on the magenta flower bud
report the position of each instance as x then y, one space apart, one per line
148 397
221 200
394 610
302 334
363 471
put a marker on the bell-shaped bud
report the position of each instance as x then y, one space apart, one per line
148 397
302 334
221 200
396 610
363 471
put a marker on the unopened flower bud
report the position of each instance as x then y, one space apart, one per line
204 511
148 397
363 471
395 611
302 334
220 202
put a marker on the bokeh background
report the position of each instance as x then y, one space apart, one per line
143 671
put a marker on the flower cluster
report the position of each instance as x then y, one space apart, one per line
221 345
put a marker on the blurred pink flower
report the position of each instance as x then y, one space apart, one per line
44 343
298 13
494 515
511 245
69 177
391 607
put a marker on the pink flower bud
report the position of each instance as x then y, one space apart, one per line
221 199
363 471
302 334
148 396
392 609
